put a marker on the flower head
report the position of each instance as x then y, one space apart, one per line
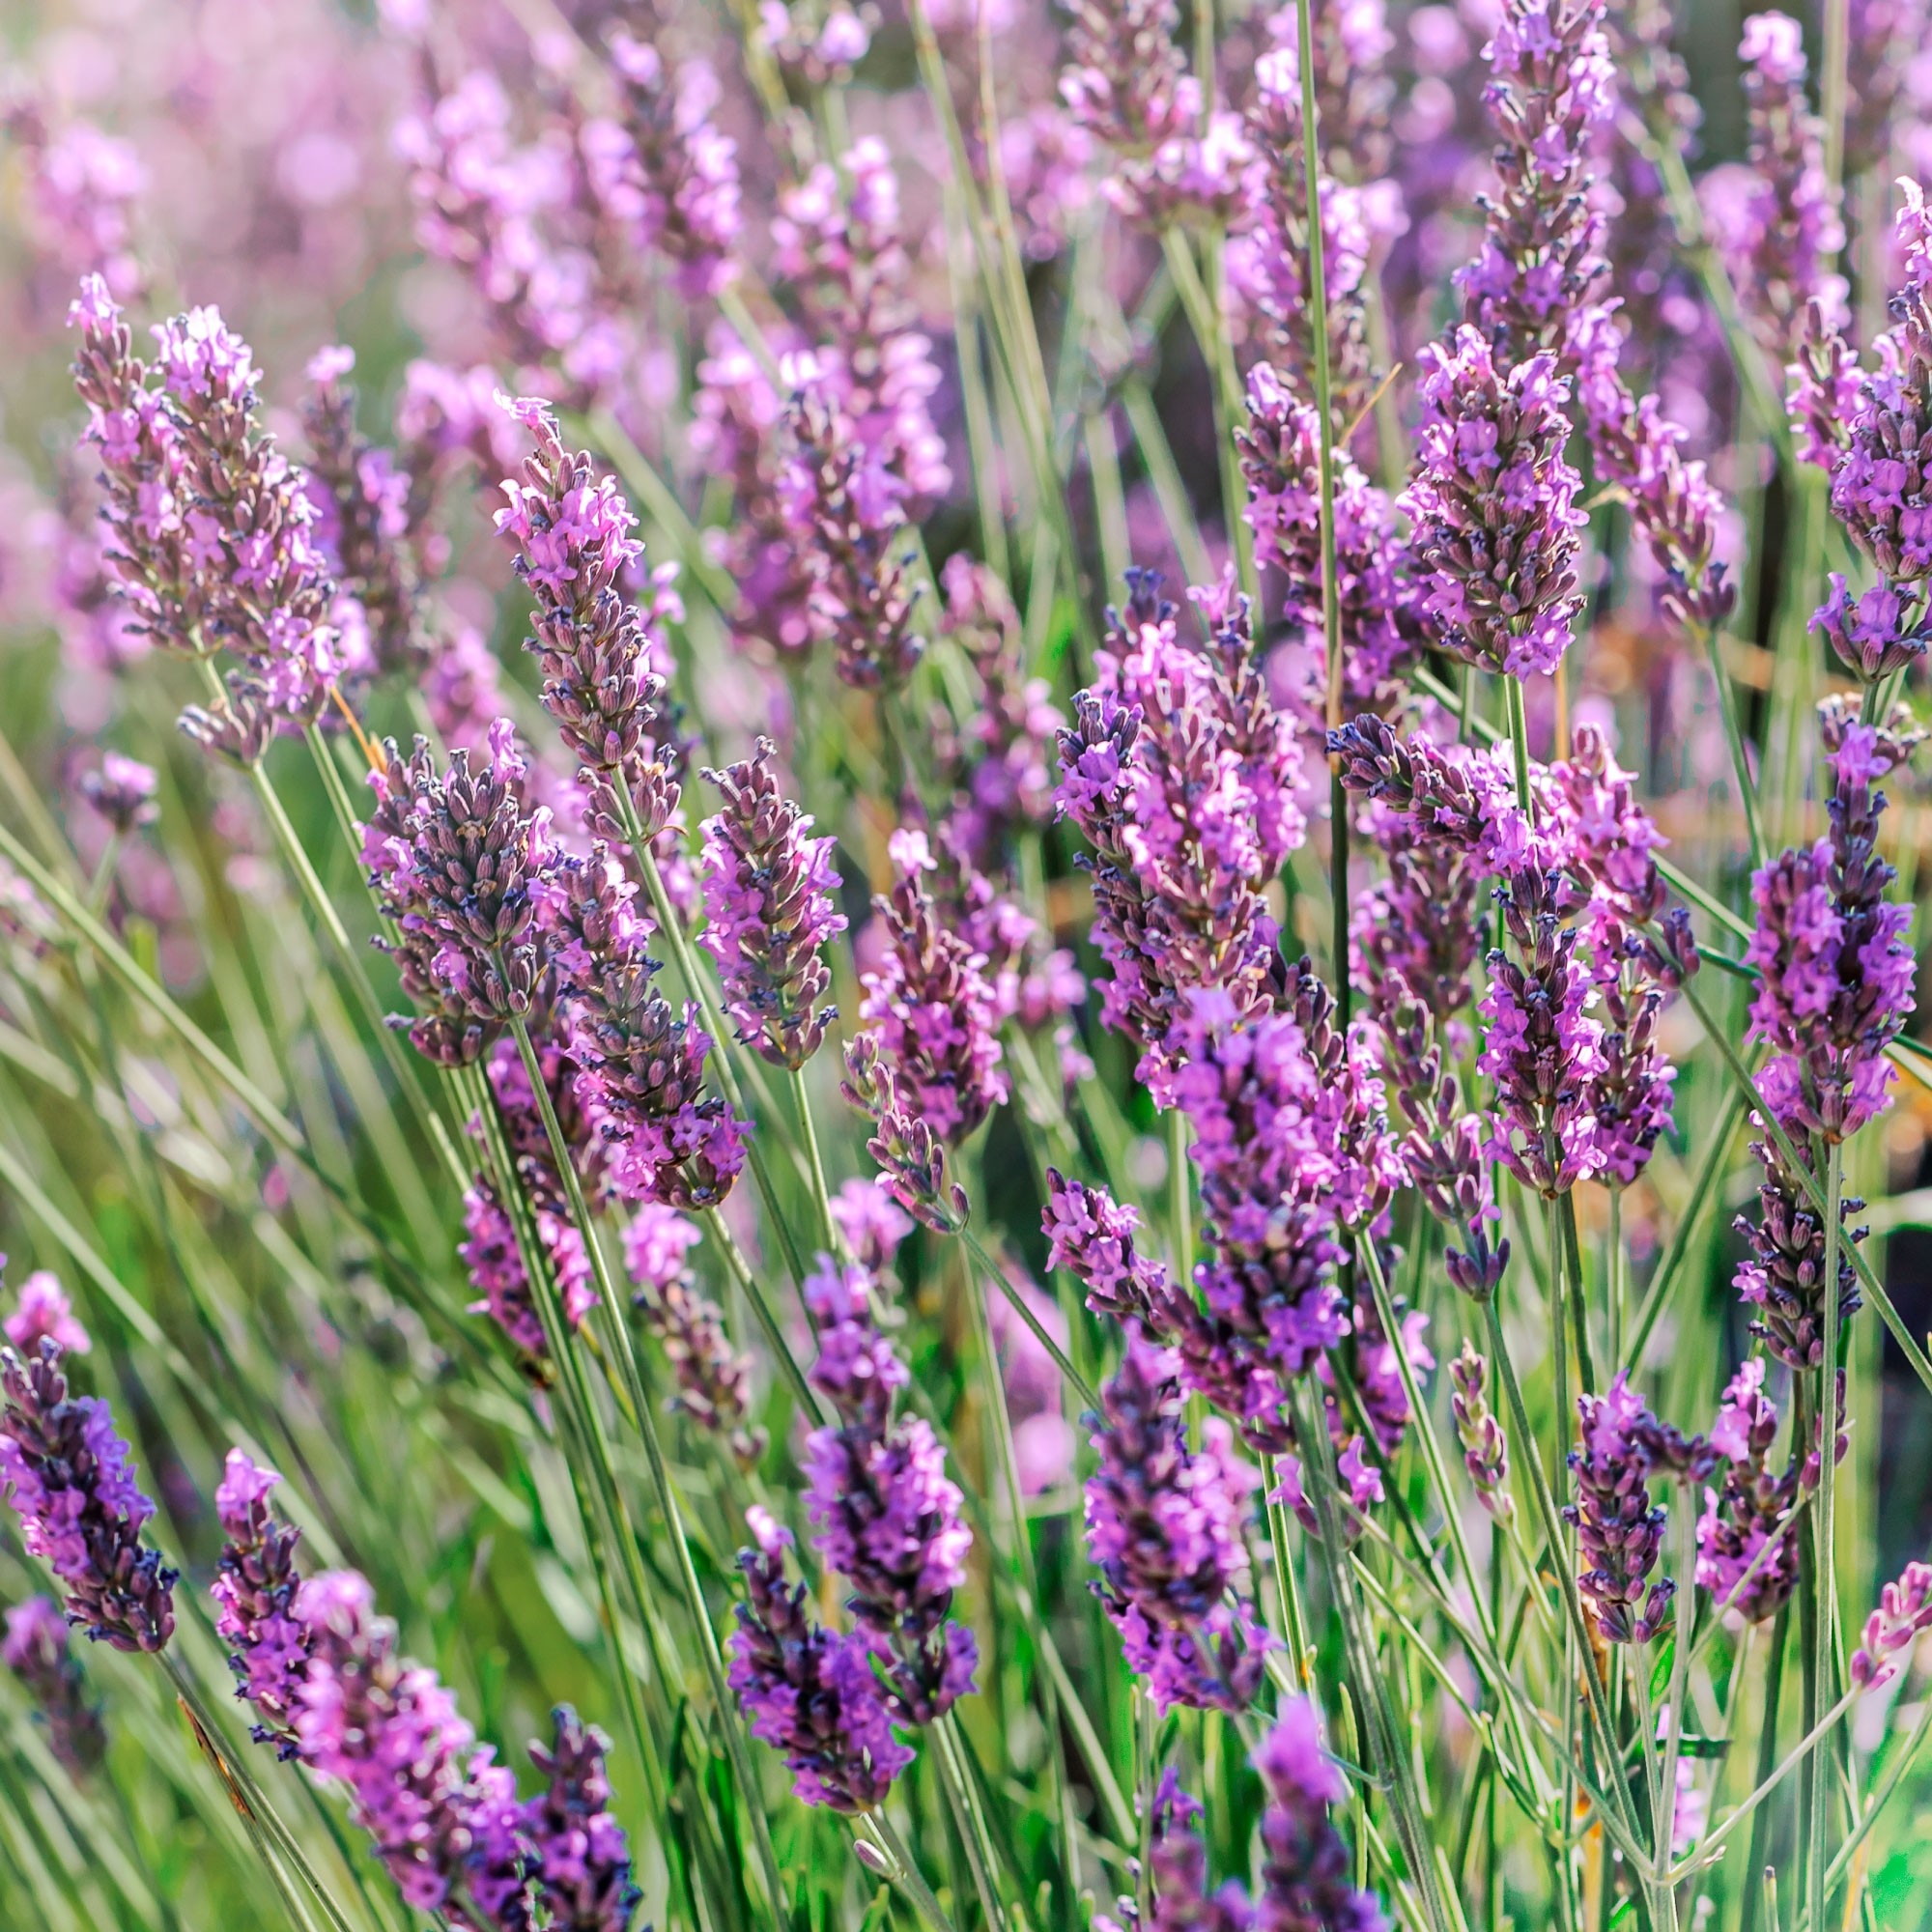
1620 1532
255 1598
581 1857
71 1480
43 1312
36 1650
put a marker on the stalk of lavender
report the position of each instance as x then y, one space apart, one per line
571 528
1163 1529
713 1378
808 1692
365 524
1619 1529
581 1857
886 1515
71 1481
438 1812
1871 433
255 1602
1737 1562
1306 1869
1484 1447
769 902
35 1649
1495 506
248 524
455 861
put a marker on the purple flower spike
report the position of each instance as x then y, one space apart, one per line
886 1515
770 906
123 792
930 1006
1783 230
681 174
1495 506
1904 1614
36 1650
255 1597
911 1157
1836 967
581 1855
1178 1874
1164 1530
1305 1865
211 534
72 1482
1552 88
455 861
1749 1508
870 1222
1618 1529
572 530
45 1314
848 519
714 1379
808 1692
389 1731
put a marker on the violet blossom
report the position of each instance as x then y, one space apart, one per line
810 1693
582 1857
1306 1869
886 1515
71 1480
713 1378
255 1600
455 859
1903 1614
1494 506
1745 1576
1484 1447
35 1648
1618 1529
770 902
1164 1530
43 1312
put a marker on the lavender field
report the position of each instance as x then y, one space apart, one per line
959 963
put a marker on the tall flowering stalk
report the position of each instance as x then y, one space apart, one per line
35 1648
255 1602
769 909
71 1481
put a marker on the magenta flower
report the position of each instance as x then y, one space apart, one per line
455 861
1904 1614
1484 1447
36 1650
1164 1530
1306 1869
870 1222
1617 1527
770 906
1495 506
123 792
45 1313
886 1515
1748 1507
71 1481
581 1854
810 1693
438 1811
929 1009
713 1378
255 1600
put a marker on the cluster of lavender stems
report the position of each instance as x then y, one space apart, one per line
1424 506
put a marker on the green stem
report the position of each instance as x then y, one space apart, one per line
729 1721
1766 1757
1825 1665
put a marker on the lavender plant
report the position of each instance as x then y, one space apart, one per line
1135 1139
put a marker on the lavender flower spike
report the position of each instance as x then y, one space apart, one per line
389 1731
1495 506
1163 1528
769 902
1305 1864
1619 1530
45 1313
1484 1447
806 1691
70 1479
255 1595
455 859
575 550
582 1857
36 1650
887 1516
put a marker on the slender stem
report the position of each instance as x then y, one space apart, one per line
729 1721
1017 1302
821 1191
1519 733
761 1308
1179 1196
1823 1525
1734 737
1767 1756
908 1874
